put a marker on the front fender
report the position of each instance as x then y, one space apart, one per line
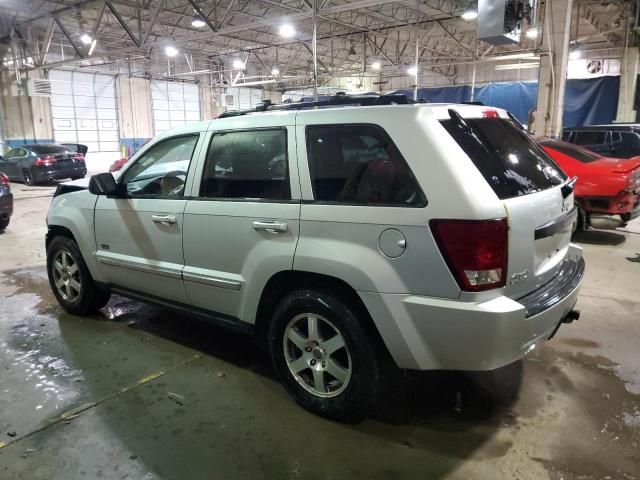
75 212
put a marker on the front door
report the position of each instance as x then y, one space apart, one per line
243 225
10 164
139 235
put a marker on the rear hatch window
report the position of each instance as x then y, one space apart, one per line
49 149
511 162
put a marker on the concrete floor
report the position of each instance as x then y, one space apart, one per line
141 393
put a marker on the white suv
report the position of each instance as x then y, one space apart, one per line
345 239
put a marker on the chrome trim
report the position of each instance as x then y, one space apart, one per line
211 281
146 268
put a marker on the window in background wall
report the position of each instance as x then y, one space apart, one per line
84 110
174 104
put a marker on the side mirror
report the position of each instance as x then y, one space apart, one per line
103 184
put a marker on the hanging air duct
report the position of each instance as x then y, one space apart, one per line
500 21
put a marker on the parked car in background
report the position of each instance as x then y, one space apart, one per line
118 164
32 164
616 140
6 201
326 234
77 148
608 189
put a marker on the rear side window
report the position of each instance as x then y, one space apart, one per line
247 164
581 154
512 163
590 137
359 164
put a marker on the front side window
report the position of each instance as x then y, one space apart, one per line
249 164
359 164
162 170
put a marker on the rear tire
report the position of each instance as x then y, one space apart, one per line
70 280
77 178
27 178
4 223
332 365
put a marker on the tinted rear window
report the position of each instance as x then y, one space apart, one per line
592 137
48 149
581 154
509 160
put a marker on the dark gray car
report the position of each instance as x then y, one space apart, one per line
32 164
615 140
6 201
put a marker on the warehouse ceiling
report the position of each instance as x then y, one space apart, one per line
130 36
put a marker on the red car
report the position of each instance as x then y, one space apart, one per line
118 164
608 189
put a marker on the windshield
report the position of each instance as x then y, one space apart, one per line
511 162
581 154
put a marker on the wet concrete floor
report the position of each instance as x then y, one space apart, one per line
138 392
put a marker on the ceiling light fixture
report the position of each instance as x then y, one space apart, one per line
469 15
86 38
517 66
287 30
532 32
197 21
92 48
376 65
238 64
170 51
575 55
275 72
412 71
352 50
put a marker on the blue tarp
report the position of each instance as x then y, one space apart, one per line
586 102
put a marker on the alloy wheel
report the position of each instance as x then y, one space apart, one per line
317 355
66 276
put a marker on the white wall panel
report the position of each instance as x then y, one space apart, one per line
174 104
83 110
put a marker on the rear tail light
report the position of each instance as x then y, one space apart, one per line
45 161
4 180
475 251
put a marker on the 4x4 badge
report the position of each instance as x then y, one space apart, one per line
519 277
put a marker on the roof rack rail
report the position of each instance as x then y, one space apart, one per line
337 100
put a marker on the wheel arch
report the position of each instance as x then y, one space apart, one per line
287 281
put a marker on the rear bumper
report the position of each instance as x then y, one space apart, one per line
625 203
430 333
47 173
6 205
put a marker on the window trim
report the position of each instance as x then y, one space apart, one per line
203 198
122 185
390 141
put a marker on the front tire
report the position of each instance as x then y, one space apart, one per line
70 280
324 356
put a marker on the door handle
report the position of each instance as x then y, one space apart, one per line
270 226
164 219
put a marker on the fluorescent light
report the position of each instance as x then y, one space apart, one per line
532 32
92 48
238 64
170 51
575 55
287 30
197 22
470 15
275 71
517 66
412 71
86 38
376 65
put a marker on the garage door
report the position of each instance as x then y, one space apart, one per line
83 110
174 104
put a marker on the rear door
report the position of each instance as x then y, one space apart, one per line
523 176
241 225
